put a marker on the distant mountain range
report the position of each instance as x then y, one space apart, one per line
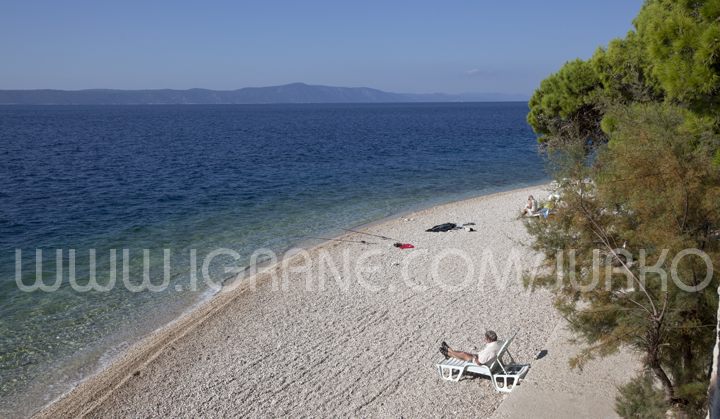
289 93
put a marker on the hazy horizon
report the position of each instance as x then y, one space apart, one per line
284 94
469 93
418 47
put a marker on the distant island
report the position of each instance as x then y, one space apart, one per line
289 93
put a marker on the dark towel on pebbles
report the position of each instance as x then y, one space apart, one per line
442 227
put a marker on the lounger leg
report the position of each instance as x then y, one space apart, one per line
460 374
495 384
450 373
506 387
446 372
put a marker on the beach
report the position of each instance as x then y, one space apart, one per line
349 328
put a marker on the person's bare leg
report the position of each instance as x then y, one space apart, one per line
464 356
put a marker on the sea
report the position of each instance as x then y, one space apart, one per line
150 191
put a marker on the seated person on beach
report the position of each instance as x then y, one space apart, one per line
531 207
485 357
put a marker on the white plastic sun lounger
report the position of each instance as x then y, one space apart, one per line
504 377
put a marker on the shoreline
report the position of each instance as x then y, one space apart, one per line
62 376
307 244
97 389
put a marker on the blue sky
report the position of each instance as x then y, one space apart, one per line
406 46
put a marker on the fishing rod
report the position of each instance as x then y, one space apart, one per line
370 234
337 240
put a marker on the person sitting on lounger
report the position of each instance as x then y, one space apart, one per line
531 207
486 356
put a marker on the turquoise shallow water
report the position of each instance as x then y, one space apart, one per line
207 177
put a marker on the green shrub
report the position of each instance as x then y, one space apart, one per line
639 399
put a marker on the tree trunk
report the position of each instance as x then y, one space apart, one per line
687 359
653 358
713 391
668 388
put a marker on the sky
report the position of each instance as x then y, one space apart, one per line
419 46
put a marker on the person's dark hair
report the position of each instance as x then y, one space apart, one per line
491 336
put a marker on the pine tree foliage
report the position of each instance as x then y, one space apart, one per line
632 137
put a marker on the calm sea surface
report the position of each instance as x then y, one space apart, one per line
206 177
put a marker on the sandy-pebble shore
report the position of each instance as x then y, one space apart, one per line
364 344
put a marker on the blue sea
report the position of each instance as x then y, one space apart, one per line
240 177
